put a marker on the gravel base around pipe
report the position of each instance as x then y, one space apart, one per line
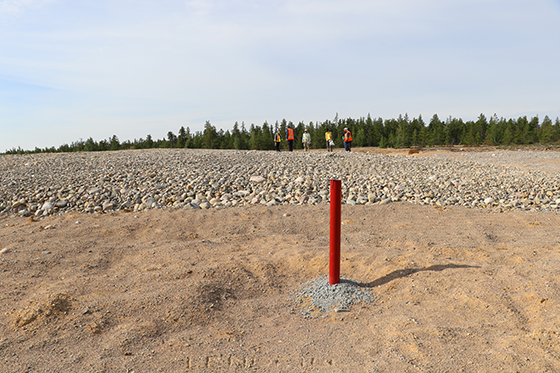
318 296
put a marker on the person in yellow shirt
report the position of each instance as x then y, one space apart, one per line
328 138
277 140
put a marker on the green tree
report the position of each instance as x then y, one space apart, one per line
359 139
435 131
266 141
416 127
210 136
254 138
495 131
378 132
453 131
149 141
556 129
522 133
182 137
403 135
227 141
533 130
114 143
171 140
481 126
90 145
236 136
188 138
547 133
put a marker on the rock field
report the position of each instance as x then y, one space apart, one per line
135 180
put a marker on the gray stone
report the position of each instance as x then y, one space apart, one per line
47 206
62 203
18 204
257 179
150 203
315 199
24 213
362 200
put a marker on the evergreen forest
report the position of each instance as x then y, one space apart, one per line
402 132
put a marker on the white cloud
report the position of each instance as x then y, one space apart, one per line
10 8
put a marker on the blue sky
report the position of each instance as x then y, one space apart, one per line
80 69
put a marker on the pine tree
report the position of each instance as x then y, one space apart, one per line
495 131
533 130
522 132
546 135
114 143
360 137
509 132
182 138
435 132
403 136
378 132
266 141
556 129
171 139
210 136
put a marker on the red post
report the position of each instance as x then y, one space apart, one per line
334 256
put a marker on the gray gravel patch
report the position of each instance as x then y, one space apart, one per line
318 296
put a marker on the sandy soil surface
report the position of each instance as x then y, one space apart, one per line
455 290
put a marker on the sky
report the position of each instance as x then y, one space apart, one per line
71 70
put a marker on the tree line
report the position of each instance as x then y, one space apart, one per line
401 132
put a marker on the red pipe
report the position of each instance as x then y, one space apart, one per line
334 256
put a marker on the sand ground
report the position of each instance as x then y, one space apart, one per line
456 290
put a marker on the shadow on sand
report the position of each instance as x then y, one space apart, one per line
406 272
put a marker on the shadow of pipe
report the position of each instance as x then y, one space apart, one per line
407 272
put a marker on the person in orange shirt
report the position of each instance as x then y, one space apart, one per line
290 138
347 139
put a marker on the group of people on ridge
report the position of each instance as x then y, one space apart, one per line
306 139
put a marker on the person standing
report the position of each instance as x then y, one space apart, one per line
328 138
290 138
347 140
277 140
306 140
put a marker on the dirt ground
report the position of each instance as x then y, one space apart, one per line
455 289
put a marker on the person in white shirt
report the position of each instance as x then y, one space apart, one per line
306 140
